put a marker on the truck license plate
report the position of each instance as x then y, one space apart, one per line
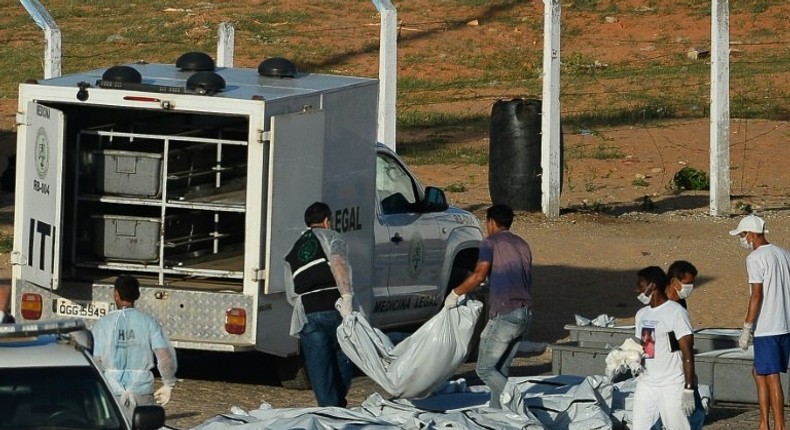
82 309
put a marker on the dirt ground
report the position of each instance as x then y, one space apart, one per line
584 264
586 260
618 214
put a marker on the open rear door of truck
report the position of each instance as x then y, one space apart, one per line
295 177
296 182
38 250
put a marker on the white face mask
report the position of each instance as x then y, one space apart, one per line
685 290
745 243
644 298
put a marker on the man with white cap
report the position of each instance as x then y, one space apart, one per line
768 316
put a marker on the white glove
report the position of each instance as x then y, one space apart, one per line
345 304
746 333
162 395
687 403
451 301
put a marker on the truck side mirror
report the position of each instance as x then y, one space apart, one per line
435 200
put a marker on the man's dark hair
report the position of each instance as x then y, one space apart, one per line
655 275
316 213
679 268
128 288
501 214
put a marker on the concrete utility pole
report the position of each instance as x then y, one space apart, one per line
550 117
720 109
225 44
52 53
388 72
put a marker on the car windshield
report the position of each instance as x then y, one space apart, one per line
55 398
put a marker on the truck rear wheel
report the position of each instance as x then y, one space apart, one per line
292 373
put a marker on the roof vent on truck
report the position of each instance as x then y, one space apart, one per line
195 62
277 67
208 83
125 74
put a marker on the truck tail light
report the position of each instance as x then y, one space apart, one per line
31 306
235 321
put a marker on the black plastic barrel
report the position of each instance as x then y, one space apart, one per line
514 172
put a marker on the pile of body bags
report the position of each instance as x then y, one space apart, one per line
414 372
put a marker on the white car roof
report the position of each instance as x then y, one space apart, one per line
41 344
30 352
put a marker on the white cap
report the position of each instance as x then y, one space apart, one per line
750 223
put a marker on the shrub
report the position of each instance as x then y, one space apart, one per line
689 178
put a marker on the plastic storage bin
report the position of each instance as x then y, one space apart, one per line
594 336
706 339
128 173
572 359
729 374
126 238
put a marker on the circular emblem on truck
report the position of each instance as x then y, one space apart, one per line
42 153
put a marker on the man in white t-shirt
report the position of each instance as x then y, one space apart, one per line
666 387
768 316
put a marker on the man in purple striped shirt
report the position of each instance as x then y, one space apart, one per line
506 260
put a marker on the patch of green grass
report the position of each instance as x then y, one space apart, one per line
634 91
6 243
485 2
576 63
612 117
584 5
457 187
575 152
409 84
414 119
763 33
760 7
612 7
599 152
744 208
432 153
753 6
603 152
589 180
640 182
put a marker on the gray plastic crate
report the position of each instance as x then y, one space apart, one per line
588 335
572 359
137 239
126 238
712 339
707 339
729 374
128 173
727 371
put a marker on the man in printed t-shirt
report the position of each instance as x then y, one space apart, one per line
666 388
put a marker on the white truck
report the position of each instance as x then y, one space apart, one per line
195 179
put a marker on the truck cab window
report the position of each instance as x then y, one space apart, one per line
396 189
